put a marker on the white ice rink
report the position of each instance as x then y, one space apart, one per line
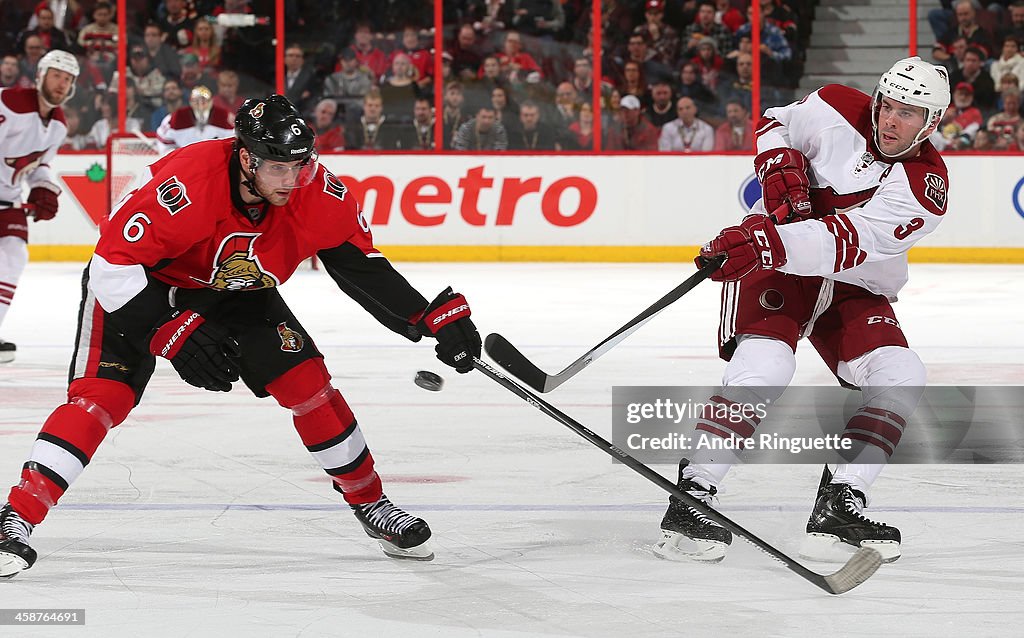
203 515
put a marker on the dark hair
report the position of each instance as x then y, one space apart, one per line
978 51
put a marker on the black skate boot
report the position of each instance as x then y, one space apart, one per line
15 554
7 351
838 518
401 535
688 535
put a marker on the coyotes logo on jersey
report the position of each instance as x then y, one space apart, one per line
291 341
237 267
23 165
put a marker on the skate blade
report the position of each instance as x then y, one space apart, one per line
682 548
420 552
6 357
827 548
11 565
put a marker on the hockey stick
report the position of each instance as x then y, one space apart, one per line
508 356
859 568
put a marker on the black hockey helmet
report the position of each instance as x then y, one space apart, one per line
271 128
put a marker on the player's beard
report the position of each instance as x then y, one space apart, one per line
275 196
50 99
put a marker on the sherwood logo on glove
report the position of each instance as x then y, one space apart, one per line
177 333
449 314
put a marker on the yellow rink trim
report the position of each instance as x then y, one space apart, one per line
957 255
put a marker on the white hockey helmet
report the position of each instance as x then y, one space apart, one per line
62 61
917 83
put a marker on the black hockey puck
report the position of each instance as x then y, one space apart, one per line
429 381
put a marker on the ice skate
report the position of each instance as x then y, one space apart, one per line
401 535
15 554
688 535
837 519
7 351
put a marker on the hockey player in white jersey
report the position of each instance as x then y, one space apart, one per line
849 184
32 128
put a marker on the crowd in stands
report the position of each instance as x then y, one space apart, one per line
981 47
676 75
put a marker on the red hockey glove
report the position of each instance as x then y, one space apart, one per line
751 246
447 319
784 181
198 350
44 201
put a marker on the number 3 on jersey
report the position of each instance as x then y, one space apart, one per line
902 232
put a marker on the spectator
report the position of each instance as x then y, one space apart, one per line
705 27
583 78
736 133
581 132
330 134
973 73
163 56
1009 61
1015 28
775 49
299 79
564 111
515 63
34 51
10 73
205 45
967 28
50 35
198 120
633 132
482 133
1003 125
419 134
659 107
633 81
465 54
1019 137
478 92
372 130
740 88
686 133
541 18
367 53
778 15
148 80
178 24
533 134
227 96
664 39
101 129
709 63
982 141
1008 82
137 114
453 116
349 84
398 88
505 110
75 140
690 85
728 15
193 74
172 101
419 56
962 119
99 38
638 50
491 15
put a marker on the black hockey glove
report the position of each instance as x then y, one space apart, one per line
198 350
447 319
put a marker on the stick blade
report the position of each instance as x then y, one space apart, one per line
864 562
508 357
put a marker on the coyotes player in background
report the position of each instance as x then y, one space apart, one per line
850 184
32 128
187 268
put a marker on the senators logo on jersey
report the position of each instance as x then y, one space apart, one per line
237 267
23 165
291 341
171 194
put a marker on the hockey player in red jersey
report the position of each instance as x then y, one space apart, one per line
187 268
32 128
849 184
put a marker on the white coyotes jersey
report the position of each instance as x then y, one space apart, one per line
868 210
27 143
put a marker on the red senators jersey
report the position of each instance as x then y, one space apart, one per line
28 143
183 225
869 210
